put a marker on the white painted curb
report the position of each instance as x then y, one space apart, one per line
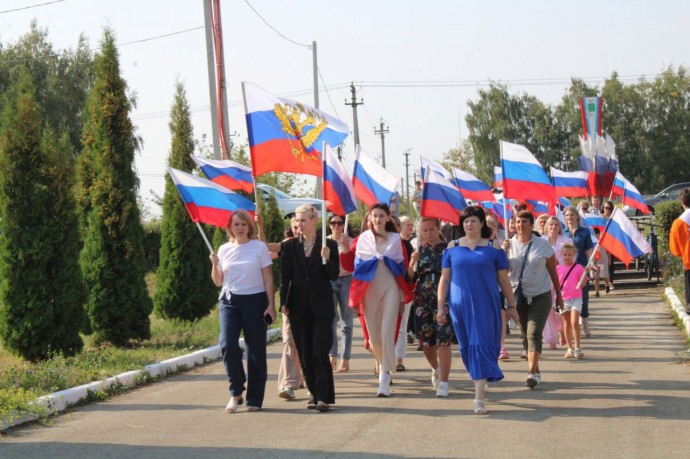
60 401
678 308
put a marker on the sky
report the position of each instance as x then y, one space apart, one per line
414 63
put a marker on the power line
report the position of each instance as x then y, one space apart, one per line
273 28
156 37
328 94
31 6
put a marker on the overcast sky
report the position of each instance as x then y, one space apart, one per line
396 53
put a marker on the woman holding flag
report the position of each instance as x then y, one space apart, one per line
243 268
379 286
306 297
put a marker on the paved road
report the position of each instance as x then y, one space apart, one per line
628 398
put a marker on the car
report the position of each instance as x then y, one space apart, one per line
286 203
667 194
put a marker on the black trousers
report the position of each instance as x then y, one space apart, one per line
687 290
313 338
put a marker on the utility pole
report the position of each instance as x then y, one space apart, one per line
210 59
354 105
407 176
316 74
382 132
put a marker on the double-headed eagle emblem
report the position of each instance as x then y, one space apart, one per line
305 125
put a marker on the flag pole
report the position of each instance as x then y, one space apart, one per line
323 201
201 230
251 157
594 252
505 203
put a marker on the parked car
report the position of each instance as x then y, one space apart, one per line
286 203
667 194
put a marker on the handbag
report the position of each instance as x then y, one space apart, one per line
519 296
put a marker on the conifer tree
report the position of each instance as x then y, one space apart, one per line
41 289
184 286
112 258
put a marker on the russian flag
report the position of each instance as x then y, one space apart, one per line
226 173
622 239
208 202
523 176
498 177
440 199
428 164
564 202
633 198
593 220
500 207
337 185
471 187
538 207
372 183
618 188
569 184
287 136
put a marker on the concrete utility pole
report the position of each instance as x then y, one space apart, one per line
407 176
316 74
382 132
211 61
354 105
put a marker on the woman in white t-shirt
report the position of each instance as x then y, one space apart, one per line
247 303
532 271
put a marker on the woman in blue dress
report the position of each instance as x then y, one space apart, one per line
472 270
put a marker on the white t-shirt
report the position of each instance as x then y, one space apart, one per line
242 264
535 278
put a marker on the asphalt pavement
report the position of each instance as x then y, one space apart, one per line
629 397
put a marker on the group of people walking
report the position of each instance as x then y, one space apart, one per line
461 290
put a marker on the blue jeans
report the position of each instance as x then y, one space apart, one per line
585 301
341 297
244 312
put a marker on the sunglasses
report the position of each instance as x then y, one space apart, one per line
608 208
336 223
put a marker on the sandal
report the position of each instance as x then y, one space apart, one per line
569 354
252 408
479 407
311 404
344 366
322 407
400 367
503 355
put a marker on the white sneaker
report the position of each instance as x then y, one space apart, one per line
384 389
287 393
442 389
435 378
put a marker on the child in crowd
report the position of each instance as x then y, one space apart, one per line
569 275
601 262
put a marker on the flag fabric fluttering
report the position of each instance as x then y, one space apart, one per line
471 187
631 197
523 176
372 183
287 136
569 184
338 191
593 220
498 177
622 239
226 173
208 202
433 166
441 199
618 188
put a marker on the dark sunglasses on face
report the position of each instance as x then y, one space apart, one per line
608 208
336 222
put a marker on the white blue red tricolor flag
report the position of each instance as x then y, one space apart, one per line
498 177
631 197
428 164
593 220
471 187
569 184
287 136
523 176
367 259
208 202
338 191
622 239
441 199
618 188
372 183
226 173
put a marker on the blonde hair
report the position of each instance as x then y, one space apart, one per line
405 219
308 210
245 217
569 246
573 210
560 228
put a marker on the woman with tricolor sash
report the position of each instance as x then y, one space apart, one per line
379 286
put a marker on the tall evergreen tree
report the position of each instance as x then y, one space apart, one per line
112 258
41 289
184 287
